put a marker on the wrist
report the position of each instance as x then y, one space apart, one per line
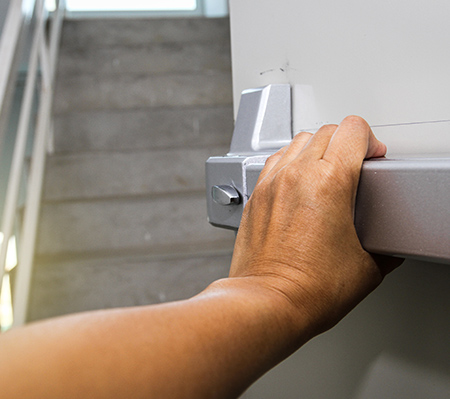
257 298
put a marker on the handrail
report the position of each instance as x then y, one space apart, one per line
40 79
11 30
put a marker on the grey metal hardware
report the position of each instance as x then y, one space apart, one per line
225 195
264 120
402 206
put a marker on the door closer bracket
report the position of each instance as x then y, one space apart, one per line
263 125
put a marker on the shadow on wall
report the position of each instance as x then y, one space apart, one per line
393 345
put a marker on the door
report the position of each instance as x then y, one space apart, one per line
388 61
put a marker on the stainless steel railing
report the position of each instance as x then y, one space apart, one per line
31 29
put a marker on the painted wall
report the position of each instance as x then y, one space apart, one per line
386 61
393 345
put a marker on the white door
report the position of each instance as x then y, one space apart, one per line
388 61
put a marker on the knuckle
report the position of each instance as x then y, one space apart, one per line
302 136
273 158
329 128
338 176
356 120
336 169
288 176
262 187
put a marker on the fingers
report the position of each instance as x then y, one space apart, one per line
305 144
270 163
352 142
297 144
318 144
349 144
284 156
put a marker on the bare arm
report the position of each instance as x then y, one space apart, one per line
298 268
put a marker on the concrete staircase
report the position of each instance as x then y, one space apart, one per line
139 107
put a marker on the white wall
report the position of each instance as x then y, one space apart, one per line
392 346
386 60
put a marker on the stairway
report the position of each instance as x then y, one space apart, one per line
140 104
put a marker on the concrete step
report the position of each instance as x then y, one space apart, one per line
97 175
144 225
94 92
69 286
133 32
158 58
107 130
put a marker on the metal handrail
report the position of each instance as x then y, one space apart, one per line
42 64
14 23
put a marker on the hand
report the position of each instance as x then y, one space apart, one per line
297 235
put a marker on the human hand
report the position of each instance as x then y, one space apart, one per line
297 237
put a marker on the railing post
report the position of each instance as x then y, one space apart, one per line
15 174
43 55
34 189
32 206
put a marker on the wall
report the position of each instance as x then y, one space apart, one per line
393 345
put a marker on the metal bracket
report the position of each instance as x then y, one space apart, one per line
263 123
402 205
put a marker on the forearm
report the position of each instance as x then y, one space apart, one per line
213 345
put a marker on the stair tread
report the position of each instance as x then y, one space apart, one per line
129 32
81 285
159 58
89 92
152 224
129 129
96 175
